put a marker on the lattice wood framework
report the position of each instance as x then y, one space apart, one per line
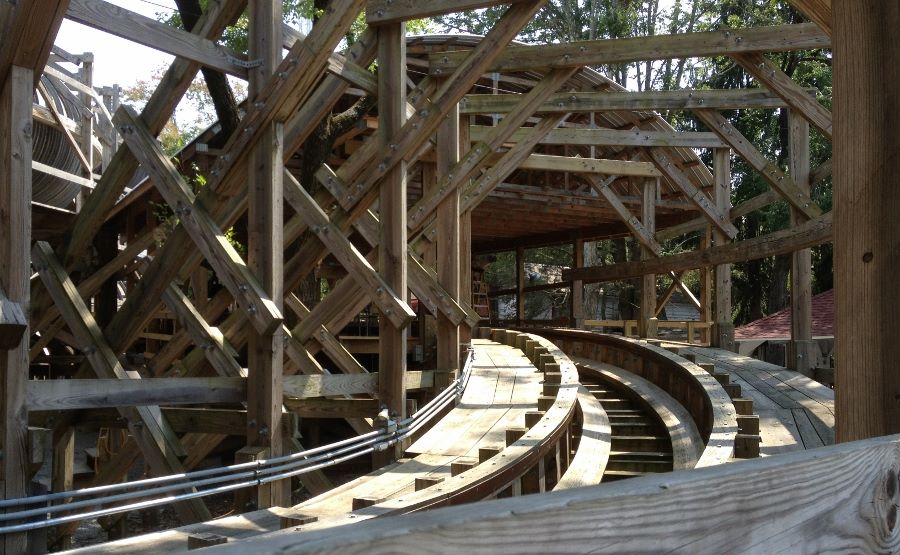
397 206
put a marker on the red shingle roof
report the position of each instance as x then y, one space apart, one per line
778 325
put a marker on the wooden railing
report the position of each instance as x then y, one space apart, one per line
629 327
841 498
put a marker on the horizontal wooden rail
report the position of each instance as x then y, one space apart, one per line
590 460
841 498
84 394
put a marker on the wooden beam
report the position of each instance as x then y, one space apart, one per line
650 191
867 230
722 334
123 23
611 137
206 234
818 11
13 323
265 249
447 248
773 78
680 179
580 101
812 233
380 12
778 38
334 408
158 442
588 165
801 353
392 263
769 171
15 273
27 35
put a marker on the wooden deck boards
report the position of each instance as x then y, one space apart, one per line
795 412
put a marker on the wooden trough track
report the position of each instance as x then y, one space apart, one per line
514 431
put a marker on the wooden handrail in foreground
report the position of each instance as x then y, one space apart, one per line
841 498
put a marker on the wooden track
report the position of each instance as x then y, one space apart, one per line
795 412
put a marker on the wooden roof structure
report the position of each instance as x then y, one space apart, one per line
476 145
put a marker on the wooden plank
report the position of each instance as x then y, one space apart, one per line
334 408
13 323
778 38
380 12
773 78
588 101
650 190
777 179
132 26
447 248
802 351
358 268
814 232
157 441
611 137
677 176
15 273
589 165
100 393
206 234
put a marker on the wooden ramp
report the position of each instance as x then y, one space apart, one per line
795 412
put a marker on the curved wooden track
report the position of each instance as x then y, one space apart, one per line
549 411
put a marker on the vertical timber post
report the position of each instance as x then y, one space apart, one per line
578 285
520 285
648 282
392 207
86 76
802 354
465 241
15 271
448 354
722 334
866 227
265 254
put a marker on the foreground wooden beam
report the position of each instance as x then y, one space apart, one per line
843 484
15 273
27 32
812 233
611 137
867 230
13 323
380 12
818 11
777 38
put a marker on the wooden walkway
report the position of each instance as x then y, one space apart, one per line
795 412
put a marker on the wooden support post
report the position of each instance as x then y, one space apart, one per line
802 350
63 476
520 285
392 261
266 254
722 334
15 273
578 285
465 244
648 281
867 230
86 76
448 354
706 288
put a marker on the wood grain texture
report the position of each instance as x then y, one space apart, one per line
599 52
867 230
582 101
835 499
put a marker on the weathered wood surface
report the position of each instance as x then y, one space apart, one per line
13 323
777 38
818 11
809 234
839 498
380 12
126 24
610 137
795 412
582 101
589 463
